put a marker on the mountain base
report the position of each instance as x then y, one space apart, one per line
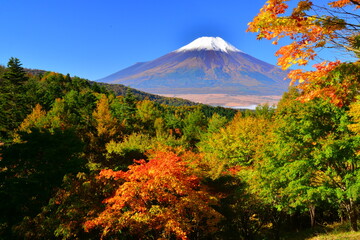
229 100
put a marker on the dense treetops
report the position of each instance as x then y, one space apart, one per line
57 126
324 151
121 90
79 162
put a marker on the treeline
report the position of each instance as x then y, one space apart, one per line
79 162
121 90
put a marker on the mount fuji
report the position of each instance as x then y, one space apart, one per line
208 65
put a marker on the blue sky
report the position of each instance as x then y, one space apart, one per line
95 38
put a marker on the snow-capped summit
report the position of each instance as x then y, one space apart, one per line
206 65
209 43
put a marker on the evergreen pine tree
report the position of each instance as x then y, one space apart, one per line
13 98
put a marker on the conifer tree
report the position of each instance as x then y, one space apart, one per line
13 97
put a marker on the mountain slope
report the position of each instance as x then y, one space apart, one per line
121 90
206 65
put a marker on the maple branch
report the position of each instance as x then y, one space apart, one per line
333 13
355 26
349 48
344 45
355 2
338 12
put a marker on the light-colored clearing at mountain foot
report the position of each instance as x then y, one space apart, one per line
228 100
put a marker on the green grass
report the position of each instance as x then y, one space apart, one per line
338 236
335 231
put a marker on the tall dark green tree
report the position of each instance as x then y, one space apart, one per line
15 73
13 98
124 109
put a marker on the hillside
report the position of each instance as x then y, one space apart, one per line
121 90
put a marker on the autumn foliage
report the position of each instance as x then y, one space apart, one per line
158 199
311 28
205 173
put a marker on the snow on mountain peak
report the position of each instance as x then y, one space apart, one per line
209 43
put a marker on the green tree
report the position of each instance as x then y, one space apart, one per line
216 122
148 112
311 158
194 125
105 128
15 73
13 98
124 109
236 144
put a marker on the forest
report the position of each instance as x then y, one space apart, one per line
80 161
